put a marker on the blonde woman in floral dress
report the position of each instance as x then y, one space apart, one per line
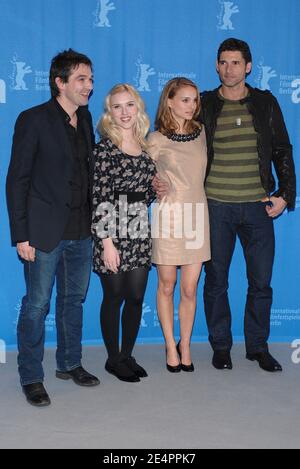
122 242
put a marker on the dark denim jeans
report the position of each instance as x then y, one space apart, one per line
250 222
70 264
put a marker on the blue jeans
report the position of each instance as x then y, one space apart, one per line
254 228
70 264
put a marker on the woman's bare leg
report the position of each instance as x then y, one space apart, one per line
167 276
188 289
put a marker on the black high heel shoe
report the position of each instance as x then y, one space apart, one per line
188 368
172 369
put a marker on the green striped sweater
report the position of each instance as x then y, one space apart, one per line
234 174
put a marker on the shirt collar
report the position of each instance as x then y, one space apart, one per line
241 101
63 113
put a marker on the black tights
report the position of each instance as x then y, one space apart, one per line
129 287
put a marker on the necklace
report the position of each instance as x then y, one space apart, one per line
184 137
243 96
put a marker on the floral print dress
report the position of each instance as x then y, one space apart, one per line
122 192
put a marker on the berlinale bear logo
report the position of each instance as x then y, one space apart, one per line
264 75
19 72
143 73
101 13
227 10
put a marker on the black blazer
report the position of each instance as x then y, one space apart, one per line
37 186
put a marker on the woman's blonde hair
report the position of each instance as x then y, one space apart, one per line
107 126
164 121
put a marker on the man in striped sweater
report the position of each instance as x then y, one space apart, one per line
246 134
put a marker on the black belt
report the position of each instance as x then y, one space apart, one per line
131 196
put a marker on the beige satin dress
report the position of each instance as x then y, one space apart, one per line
180 223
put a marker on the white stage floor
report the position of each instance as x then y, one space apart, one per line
242 408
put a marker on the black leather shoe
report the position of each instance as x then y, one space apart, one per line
80 376
137 369
222 360
265 361
36 394
122 372
171 368
188 368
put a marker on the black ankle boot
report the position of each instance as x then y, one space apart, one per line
121 371
135 367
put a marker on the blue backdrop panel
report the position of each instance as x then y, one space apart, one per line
145 43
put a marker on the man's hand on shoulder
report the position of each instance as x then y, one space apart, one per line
277 207
161 187
25 251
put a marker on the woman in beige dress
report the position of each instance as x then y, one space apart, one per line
180 226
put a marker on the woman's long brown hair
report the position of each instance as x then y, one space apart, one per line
164 121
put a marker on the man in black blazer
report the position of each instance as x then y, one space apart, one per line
48 198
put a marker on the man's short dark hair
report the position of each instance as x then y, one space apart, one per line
233 44
63 65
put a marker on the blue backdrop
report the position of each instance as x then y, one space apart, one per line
145 43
